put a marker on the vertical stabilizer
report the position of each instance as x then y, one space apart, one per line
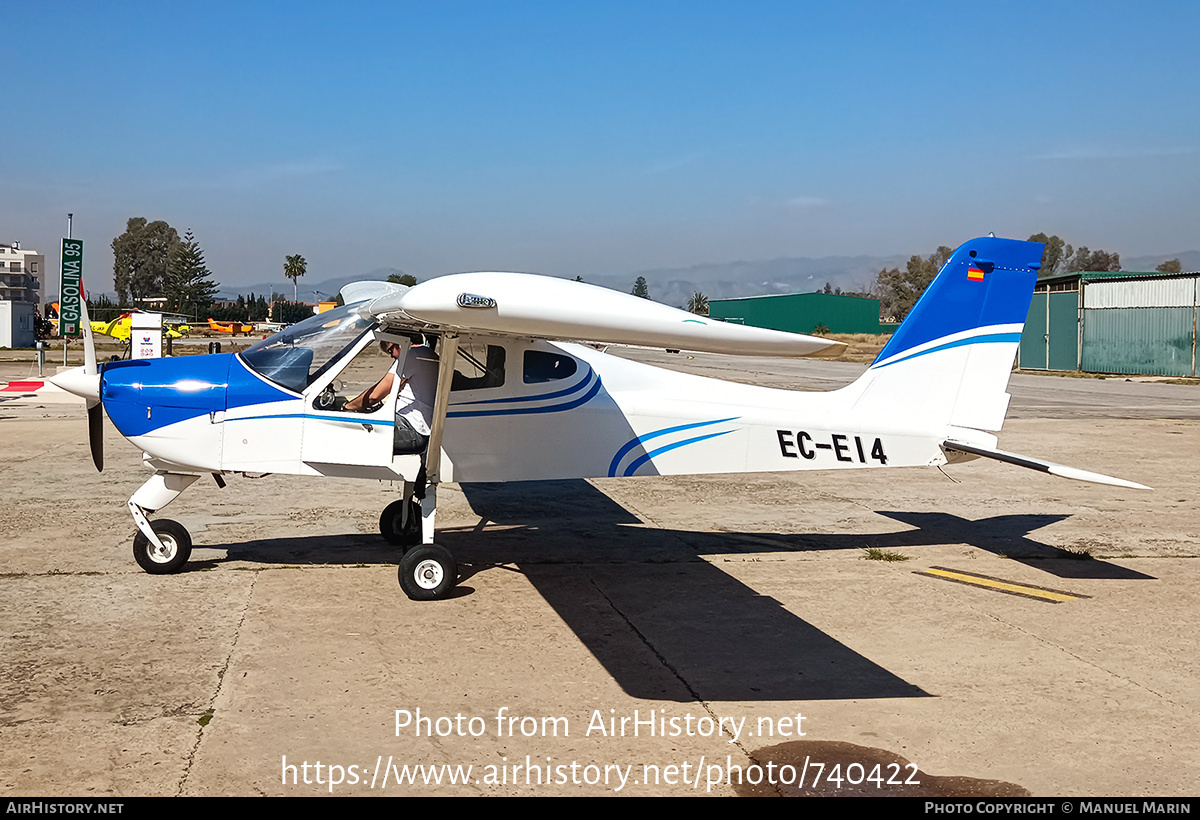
948 363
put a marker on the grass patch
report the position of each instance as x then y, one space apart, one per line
205 718
876 554
1081 554
860 347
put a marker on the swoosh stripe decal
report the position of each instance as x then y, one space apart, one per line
373 422
632 443
638 462
521 411
575 388
988 339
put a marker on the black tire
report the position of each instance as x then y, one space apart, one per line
428 572
392 530
174 538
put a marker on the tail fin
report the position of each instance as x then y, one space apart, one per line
948 363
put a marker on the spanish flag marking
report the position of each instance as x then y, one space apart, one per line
975 274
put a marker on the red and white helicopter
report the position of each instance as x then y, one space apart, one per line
521 397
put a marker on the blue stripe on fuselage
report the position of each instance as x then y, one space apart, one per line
550 408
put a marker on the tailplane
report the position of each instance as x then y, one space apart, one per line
944 373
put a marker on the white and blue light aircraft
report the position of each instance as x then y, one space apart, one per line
520 397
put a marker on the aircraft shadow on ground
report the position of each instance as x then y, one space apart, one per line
1004 535
581 516
666 624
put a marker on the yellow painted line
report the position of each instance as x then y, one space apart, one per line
1000 585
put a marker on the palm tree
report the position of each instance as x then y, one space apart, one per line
698 304
293 268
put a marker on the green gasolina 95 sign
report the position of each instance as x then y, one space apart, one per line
70 307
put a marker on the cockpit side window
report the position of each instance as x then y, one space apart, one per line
544 366
477 366
359 374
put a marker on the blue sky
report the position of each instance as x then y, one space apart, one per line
576 139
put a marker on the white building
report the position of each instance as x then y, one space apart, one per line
21 275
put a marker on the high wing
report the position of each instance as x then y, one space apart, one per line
542 307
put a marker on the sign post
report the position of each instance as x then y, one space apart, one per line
70 311
70 292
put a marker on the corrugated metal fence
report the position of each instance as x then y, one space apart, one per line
1145 326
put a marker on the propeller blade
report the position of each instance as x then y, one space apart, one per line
95 409
89 344
96 435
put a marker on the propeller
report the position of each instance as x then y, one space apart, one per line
85 383
95 409
96 435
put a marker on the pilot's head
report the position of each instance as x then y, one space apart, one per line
393 348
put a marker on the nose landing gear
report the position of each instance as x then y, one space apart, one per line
428 572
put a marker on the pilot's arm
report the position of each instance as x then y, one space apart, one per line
370 399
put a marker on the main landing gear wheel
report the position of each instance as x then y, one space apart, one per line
402 535
177 548
428 572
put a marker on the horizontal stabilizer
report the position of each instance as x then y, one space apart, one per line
1042 466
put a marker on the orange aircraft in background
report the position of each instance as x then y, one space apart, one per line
230 327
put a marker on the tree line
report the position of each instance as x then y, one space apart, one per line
151 261
898 290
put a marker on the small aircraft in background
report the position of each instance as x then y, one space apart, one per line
230 327
179 324
121 327
519 397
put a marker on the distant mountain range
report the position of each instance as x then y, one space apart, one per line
324 290
674 286
1190 260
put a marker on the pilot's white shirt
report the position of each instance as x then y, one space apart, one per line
414 404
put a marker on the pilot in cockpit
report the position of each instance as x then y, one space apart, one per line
414 404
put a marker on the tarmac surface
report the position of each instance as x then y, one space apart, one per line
703 635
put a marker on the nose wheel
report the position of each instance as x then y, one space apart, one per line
428 572
171 556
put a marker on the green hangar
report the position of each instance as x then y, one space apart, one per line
1113 322
802 313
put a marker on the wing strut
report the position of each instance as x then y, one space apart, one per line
447 351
